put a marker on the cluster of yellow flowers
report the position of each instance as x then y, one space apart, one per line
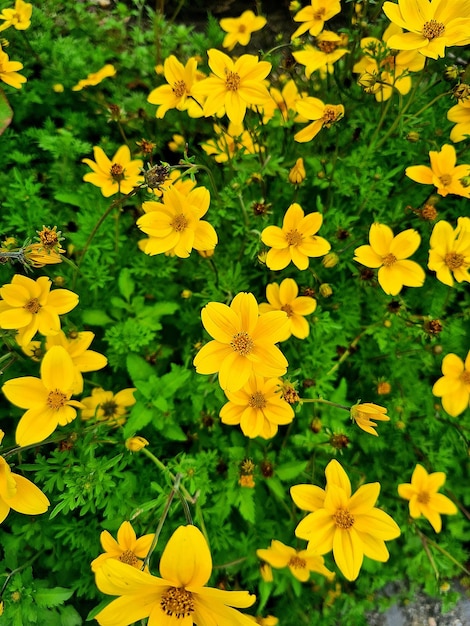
19 18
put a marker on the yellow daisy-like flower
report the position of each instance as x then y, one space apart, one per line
284 297
47 398
296 241
444 174
460 114
239 29
105 406
326 52
243 342
454 386
283 100
390 254
175 224
424 499
19 17
258 408
234 85
9 71
300 562
227 144
30 306
127 549
315 16
177 94
95 78
180 596
349 524
433 25
322 116
84 360
19 493
120 174
449 255
363 414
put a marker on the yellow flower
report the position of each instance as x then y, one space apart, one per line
328 50
29 306
234 85
299 562
321 114
9 71
239 29
389 68
19 17
19 493
295 241
433 25
363 414
424 499
227 144
175 224
185 567
243 342
177 143
460 113
297 174
83 360
270 620
127 549
450 251
284 101
105 406
135 444
257 407
349 524
95 78
47 398
284 297
37 256
454 386
177 94
443 173
120 174
315 16
390 254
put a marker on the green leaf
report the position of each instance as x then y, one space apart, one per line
174 432
126 284
138 368
139 418
52 597
96 317
6 113
290 471
70 617
246 504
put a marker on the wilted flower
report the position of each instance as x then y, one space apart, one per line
363 414
135 444
95 78
297 173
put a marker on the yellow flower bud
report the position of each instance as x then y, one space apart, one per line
325 290
58 88
413 136
134 444
297 173
330 260
266 572
206 254
186 293
383 388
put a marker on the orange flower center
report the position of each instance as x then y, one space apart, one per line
343 519
242 343
389 260
179 223
129 557
423 497
288 309
445 179
109 408
327 46
232 81
330 116
32 306
454 260
117 172
294 238
433 29
257 400
56 399
49 237
297 563
465 377
179 88
242 28
178 602
319 15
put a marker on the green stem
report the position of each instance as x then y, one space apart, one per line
432 543
322 401
173 478
18 569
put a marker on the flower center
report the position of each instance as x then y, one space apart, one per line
343 519
330 116
318 15
465 377
294 238
32 306
257 400
179 88
388 63
109 408
423 497
454 260
56 399
242 28
288 309
433 29
178 602
327 46
389 260
445 179
129 557
49 237
179 223
117 172
242 343
297 563
232 81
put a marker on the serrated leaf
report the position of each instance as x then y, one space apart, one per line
49 598
246 504
139 418
70 617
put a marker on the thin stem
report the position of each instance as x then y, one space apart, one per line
426 541
18 569
164 469
322 401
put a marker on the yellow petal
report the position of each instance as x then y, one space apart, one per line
35 426
26 392
128 609
186 559
62 300
28 499
210 357
348 553
126 536
57 369
220 321
335 475
308 497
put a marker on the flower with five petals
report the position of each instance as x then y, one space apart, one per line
444 174
284 297
315 16
299 562
239 29
127 548
454 386
449 255
119 174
